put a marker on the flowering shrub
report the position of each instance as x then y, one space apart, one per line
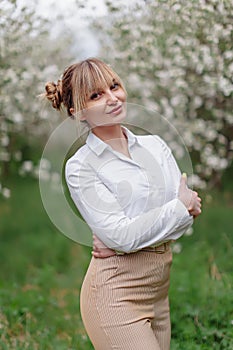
177 58
28 59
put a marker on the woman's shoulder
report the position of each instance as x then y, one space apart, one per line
77 158
155 142
152 139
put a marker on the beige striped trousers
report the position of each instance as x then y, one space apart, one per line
124 301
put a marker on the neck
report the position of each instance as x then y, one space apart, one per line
114 136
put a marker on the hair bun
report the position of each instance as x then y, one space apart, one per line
54 93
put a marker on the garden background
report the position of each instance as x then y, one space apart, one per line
176 57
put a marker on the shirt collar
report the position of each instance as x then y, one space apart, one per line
98 146
95 143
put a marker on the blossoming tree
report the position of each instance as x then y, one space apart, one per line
28 58
177 58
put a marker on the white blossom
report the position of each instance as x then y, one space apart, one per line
27 166
6 192
189 231
192 77
196 182
23 77
5 140
177 248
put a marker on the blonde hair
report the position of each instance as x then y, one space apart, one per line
78 82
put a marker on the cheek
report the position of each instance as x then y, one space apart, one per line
122 96
95 112
94 107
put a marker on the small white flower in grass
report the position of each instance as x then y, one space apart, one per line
27 166
176 248
189 231
6 192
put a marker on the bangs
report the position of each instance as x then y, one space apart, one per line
97 78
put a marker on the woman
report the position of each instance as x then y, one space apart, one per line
129 190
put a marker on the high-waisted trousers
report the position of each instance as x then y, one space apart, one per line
124 301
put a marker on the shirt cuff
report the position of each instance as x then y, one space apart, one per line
182 213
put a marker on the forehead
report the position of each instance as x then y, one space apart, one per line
98 77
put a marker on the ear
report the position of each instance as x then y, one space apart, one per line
81 114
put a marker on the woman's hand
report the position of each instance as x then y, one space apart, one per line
189 198
100 250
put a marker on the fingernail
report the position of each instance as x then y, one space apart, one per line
184 175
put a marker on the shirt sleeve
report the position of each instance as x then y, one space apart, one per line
102 212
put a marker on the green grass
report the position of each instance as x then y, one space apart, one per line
201 291
40 277
41 272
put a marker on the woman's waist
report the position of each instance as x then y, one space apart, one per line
159 248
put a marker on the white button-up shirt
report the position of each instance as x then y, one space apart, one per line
129 203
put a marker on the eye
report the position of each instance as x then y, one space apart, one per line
115 86
95 95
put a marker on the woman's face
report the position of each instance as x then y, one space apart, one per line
105 107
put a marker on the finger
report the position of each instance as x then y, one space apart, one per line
195 212
183 180
95 254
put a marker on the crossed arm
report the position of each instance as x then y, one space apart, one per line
189 198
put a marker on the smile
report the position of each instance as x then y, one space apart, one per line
117 110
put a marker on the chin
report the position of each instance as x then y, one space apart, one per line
113 120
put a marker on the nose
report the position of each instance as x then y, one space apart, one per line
111 97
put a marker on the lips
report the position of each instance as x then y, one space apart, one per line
115 110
